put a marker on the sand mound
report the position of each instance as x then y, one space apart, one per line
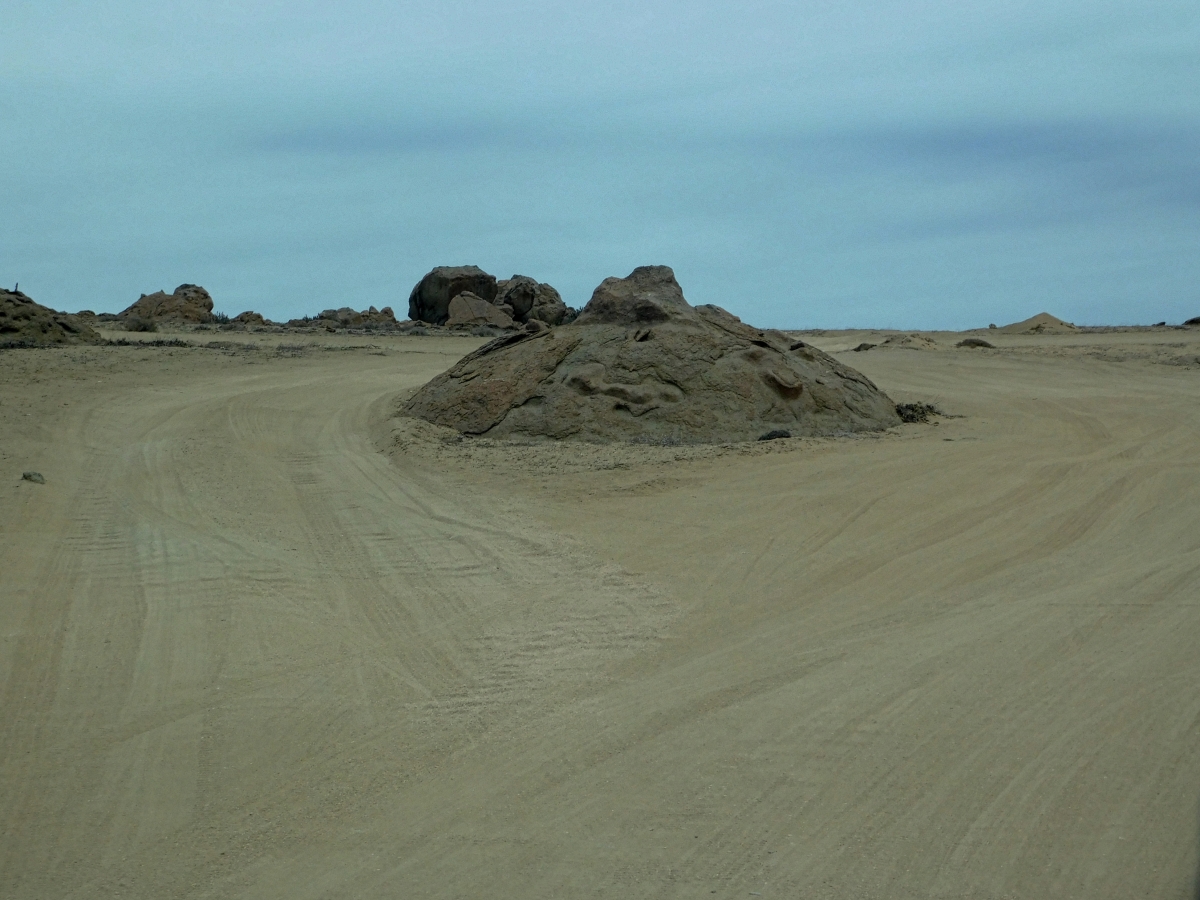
640 363
189 303
24 323
910 342
1042 323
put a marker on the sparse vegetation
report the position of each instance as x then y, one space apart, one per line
137 323
916 412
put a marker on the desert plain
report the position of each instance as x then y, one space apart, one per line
261 638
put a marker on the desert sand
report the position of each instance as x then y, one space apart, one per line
260 638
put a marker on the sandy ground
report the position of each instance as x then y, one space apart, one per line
258 640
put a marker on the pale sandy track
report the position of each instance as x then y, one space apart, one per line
247 655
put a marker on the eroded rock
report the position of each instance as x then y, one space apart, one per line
532 301
640 363
430 298
468 309
24 322
188 303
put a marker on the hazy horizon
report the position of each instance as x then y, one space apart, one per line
892 165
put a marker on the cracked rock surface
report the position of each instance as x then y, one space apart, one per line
641 364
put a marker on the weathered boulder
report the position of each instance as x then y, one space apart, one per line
468 309
189 303
24 322
531 300
249 317
340 318
384 316
649 295
641 364
430 298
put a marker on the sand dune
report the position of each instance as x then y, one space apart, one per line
258 638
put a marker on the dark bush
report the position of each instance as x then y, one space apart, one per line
136 323
916 412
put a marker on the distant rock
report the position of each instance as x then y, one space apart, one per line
188 304
430 298
249 317
341 318
1192 323
1042 323
347 317
468 309
975 342
864 347
641 364
911 341
25 323
35 477
532 301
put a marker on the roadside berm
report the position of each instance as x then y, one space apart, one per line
641 364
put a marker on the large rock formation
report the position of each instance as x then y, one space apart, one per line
640 363
24 323
531 300
188 304
430 298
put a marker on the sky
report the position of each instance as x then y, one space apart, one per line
916 164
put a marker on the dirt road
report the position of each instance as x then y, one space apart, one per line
244 653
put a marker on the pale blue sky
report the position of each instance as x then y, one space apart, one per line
916 164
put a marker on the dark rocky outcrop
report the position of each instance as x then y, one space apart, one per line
531 301
640 363
249 317
430 298
25 323
188 304
976 342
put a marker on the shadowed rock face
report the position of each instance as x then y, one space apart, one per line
25 323
430 298
532 301
640 363
188 303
